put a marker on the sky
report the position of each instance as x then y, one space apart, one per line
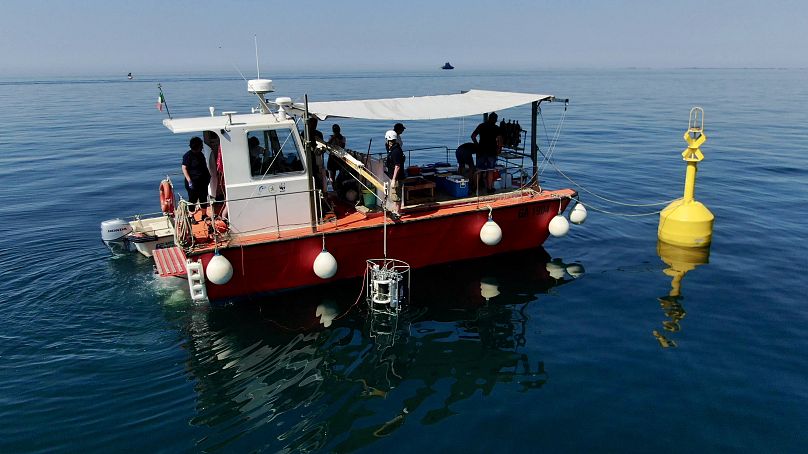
92 37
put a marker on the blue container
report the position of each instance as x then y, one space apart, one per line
454 185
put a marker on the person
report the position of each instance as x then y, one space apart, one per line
215 168
315 134
211 150
399 129
257 155
318 166
465 160
196 173
334 163
489 146
394 167
337 139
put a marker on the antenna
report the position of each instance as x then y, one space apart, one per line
257 67
259 86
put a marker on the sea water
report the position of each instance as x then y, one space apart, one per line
637 354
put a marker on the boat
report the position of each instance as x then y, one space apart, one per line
138 234
129 76
276 231
447 65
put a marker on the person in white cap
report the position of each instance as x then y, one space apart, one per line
394 167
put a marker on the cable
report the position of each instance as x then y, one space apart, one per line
547 160
361 292
618 214
605 198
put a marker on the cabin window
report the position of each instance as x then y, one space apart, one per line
273 152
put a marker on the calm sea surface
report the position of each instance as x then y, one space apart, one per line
640 354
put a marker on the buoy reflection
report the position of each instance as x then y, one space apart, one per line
680 261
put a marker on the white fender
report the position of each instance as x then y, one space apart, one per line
578 214
559 226
219 270
325 265
491 233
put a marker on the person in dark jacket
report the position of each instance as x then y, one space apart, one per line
195 171
490 145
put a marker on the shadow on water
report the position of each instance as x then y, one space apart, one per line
315 369
680 261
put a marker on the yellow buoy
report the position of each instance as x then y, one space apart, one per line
687 222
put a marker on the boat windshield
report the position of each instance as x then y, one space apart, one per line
273 152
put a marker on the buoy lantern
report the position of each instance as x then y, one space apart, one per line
578 214
219 270
325 265
491 233
559 226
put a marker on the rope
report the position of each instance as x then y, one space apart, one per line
605 198
183 233
618 214
551 143
547 160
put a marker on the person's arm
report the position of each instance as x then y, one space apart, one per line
187 176
395 173
474 134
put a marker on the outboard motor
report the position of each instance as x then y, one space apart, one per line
114 235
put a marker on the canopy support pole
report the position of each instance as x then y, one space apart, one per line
307 133
534 146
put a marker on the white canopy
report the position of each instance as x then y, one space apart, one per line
472 102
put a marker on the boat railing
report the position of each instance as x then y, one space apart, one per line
410 150
184 216
143 216
506 165
439 147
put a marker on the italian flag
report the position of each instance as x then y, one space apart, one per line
160 101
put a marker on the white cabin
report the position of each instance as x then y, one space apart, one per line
267 187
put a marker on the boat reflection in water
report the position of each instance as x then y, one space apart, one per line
309 370
680 260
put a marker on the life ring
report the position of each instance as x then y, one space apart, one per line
166 197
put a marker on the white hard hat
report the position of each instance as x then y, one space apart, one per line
390 135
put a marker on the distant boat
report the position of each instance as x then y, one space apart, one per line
129 76
447 65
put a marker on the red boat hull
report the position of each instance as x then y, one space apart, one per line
287 263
